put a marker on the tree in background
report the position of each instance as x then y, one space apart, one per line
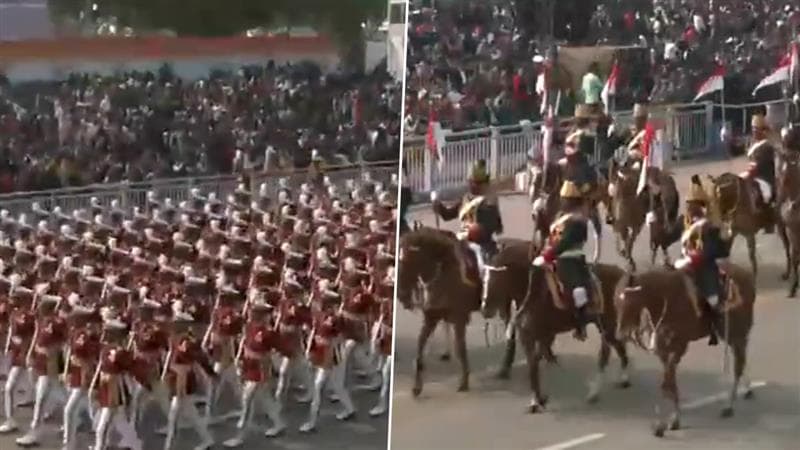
341 19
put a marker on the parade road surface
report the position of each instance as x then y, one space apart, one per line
493 415
361 433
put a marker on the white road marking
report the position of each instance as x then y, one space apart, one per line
711 399
575 442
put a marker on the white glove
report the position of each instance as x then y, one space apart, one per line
539 261
651 218
434 196
611 129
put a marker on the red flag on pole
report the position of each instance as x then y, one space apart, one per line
647 143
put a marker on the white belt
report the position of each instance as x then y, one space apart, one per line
572 253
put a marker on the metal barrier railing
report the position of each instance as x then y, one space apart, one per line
687 128
130 195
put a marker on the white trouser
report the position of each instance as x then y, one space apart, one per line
253 392
227 375
184 404
44 385
77 402
299 366
142 398
14 377
386 378
580 297
321 376
123 426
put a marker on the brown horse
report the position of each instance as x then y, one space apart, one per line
733 200
541 317
788 226
629 210
663 220
661 307
427 257
504 289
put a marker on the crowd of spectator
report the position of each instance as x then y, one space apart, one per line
139 126
476 63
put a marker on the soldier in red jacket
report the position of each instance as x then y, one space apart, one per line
254 359
323 352
382 342
43 358
20 335
83 349
149 343
115 366
184 354
220 343
293 319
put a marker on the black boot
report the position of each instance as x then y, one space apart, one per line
711 317
580 324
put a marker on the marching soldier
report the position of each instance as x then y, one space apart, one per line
479 214
705 249
184 354
81 360
44 359
254 361
568 235
22 327
762 169
110 382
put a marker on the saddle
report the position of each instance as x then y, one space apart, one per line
562 299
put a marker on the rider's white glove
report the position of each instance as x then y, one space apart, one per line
539 261
611 130
434 196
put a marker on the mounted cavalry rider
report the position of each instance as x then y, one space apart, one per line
568 235
479 214
579 147
705 248
762 170
631 139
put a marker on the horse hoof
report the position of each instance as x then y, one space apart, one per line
416 390
749 395
535 408
463 387
784 276
592 399
444 357
675 425
726 413
503 375
659 429
625 384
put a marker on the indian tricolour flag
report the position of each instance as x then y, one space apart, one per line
714 83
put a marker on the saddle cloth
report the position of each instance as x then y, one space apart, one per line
563 300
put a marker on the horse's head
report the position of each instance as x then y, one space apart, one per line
788 171
415 262
633 319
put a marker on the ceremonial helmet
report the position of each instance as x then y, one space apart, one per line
696 192
478 173
570 190
759 122
640 111
583 111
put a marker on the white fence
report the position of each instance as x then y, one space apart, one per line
178 189
688 128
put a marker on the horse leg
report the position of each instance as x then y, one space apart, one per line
461 353
739 361
751 250
428 325
533 353
624 380
667 258
794 261
598 381
511 349
448 342
634 233
787 249
669 393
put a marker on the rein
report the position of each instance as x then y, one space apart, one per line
652 344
